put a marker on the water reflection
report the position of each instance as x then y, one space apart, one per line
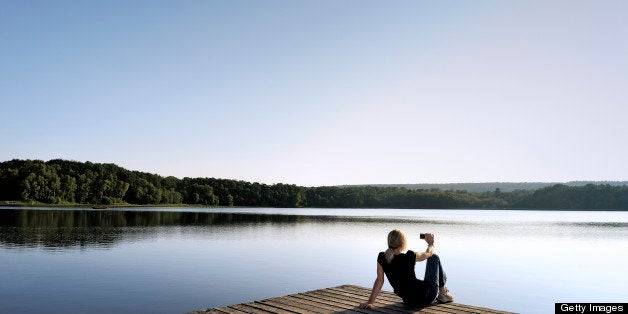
70 228
103 229
596 224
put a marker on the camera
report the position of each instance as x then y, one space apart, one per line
422 235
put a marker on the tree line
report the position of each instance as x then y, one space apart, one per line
70 182
492 186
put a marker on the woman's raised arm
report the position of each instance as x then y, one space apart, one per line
429 238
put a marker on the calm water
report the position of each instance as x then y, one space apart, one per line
174 260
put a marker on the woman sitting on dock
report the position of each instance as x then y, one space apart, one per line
399 269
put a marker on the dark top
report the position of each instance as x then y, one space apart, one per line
401 276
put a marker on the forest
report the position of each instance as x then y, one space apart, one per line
70 182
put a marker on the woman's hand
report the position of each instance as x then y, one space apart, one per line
366 305
429 238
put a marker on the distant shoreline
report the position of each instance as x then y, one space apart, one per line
37 204
75 184
89 206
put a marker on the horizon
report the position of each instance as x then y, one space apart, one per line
321 93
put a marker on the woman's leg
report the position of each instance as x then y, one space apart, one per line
434 272
435 276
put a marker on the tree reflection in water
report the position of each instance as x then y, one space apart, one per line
82 228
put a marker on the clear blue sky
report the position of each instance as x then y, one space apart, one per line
320 92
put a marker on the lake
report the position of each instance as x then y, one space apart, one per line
173 260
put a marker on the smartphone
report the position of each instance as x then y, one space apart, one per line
422 235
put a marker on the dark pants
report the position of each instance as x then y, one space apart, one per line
435 277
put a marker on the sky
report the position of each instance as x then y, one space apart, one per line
320 92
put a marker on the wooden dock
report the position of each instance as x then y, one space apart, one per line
341 299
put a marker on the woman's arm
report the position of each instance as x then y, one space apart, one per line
377 287
429 238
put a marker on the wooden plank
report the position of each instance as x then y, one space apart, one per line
229 310
479 309
368 291
343 306
218 310
323 307
398 307
248 309
390 305
283 306
301 306
383 294
267 308
337 298
450 309
381 297
352 302
456 308
388 298
353 299
362 289
200 311
355 295
427 310
487 310
321 298
333 305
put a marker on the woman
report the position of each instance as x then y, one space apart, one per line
399 269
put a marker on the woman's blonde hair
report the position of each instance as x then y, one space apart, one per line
396 239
